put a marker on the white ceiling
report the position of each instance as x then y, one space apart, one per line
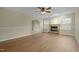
54 11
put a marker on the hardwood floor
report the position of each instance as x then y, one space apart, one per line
42 42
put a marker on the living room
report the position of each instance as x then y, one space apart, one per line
37 28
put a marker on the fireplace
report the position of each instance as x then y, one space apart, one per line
54 28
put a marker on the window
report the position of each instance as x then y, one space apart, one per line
66 23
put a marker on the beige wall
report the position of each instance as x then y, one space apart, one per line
14 24
77 26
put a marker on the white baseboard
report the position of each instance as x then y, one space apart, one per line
66 34
14 37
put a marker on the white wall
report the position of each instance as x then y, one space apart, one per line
14 24
41 25
77 26
56 20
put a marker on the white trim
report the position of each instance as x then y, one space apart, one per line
14 37
66 34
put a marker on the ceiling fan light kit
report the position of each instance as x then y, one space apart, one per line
43 12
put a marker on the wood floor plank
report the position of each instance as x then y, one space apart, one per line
41 42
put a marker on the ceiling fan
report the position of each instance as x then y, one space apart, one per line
44 10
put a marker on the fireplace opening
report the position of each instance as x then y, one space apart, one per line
55 29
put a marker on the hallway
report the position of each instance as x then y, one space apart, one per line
42 42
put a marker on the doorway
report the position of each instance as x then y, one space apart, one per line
35 26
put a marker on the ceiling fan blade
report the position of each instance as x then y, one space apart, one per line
48 8
48 11
39 7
